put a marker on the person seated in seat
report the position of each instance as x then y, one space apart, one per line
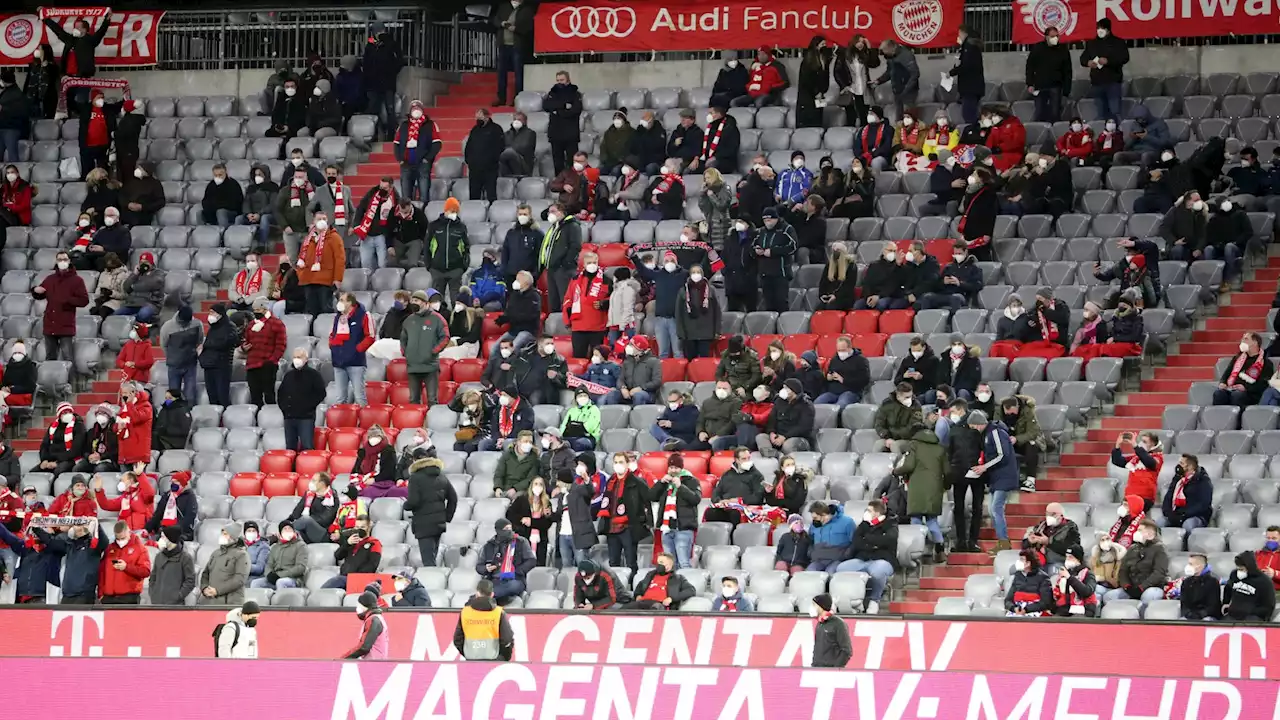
1105 147
357 554
1188 503
475 418
1007 137
1144 569
777 366
739 366
848 376
259 203
1228 236
731 80
602 372
947 182
597 588
142 196
1183 228
765 83
1076 144
316 510
742 482
961 370
1041 332
1249 596
513 415
505 560
730 598
919 368
172 426
144 291
873 142
94 246
838 285
874 551
15 199
259 549
1053 537
1030 592
958 285
288 112
716 427
831 534
793 547
1250 182
101 444
662 588
223 199
1268 556
544 373
1197 590
1094 338
324 112
641 376
896 419
790 426
517 467
64 445
884 284
1149 138
1245 378
580 426
374 472
286 561
1075 586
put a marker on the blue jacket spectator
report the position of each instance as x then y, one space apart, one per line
1155 131
794 182
602 370
999 457
832 535
348 86
37 566
83 555
683 419
488 284
666 284
735 602
258 550
1189 498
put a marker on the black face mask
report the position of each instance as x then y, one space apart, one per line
144 267
504 536
333 180
284 267
259 314
251 623
664 570
817 522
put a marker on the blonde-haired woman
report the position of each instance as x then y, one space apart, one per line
465 323
839 282
531 517
101 192
716 202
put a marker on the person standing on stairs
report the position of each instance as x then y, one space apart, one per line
1029 441
964 449
417 143
514 22
137 357
334 200
263 343
63 291
485 144
383 60
321 265
564 103
216 354
133 425
374 217
998 466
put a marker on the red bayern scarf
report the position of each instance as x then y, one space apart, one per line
377 203
507 417
1048 331
1125 537
306 503
866 148
669 505
1237 369
295 192
247 284
314 239
615 510
1180 491
67 434
595 291
339 206
711 139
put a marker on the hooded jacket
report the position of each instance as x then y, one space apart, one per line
1200 596
1025 429
604 591
172 425
925 466
741 370
1157 135
173 577
831 541
432 498
227 571
246 646
1249 598
895 421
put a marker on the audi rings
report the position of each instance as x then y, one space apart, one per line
593 22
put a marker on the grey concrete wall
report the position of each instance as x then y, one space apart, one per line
999 67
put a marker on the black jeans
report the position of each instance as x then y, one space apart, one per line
584 341
562 155
299 433
78 600
1049 105
776 292
429 546
59 347
1028 459
742 301
217 383
967 526
84 466
430 382
623 548
484 182
697 349
129 599
319 299
262 385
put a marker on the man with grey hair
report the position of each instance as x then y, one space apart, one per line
902 73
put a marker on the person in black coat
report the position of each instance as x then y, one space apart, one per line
141 197
947 183
1105 56
577 492
514 24
564 103
484 147
648 144
1030 593
884 283
432 500
812 82
78 49
756 194
216 353
1049 189
289 115
625 517
960 369
790 425
223 199
731 81
740 273
959 284
979 209
971 82
301 391
1198 591
185 508
651 596
1248 595
58 454
1227 237
837 288
848 376
1048 76
1055 313
383 60
832 647
686 139
172 425
964 447
918 367
684 492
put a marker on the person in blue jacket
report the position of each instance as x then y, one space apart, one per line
488 284
82 547
258 548
37 566
1188 503
999 468
831 534
677 426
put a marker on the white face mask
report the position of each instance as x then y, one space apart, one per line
760 394
909 257
133 335
1102 33
102 419
591 267
728 591
1022 566
401 585
63 265
553 217
223 540
669 267
732 64
579 166
251 264
451 216
617 122
516 124
871 118
1052 40
583 401
722 393
891 257
943 122
122 487
814 611
1122 511
299 363
258 179
789 470
957 417
907 122
375 441
1110 126
797 163
1226 206
957 350
1052 520
917 354
99 102
548 349
710 118
1189 570
906 402
18 356
505 352
504 400
1166 156
537 492
83 222
1242 574
66 418
844 354
958 258
746 465
1244 347
985 122
619 468
125 541
341 306
139 173
696 277
1197 205
974 181
290 92
322 225
12 177
523 220
673 406
740 227
775 354
526 448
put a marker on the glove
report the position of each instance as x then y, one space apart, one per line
273 577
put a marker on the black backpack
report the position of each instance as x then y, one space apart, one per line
217 633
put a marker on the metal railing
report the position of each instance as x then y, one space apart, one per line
214 39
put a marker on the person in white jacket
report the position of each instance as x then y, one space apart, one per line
238 635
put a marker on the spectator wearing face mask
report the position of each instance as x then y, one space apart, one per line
1245 379
144 291
1144 569
301 390
259 550
731 80
433 502
641 376
181 338
517 467
1048 76
263 343
580 427
544 374
1053 537
1030 593
597 588
465 322
172 425
517 159
98 120
374 472
259 203
1074 587
648 146
668 281
15 196
42 82
321 265
142 196
960 370
324 113
286 563
625 309
697 315
173 571
677 494
1183 228
424 336
586 306
790 425
63 291
406 235
448 249
1249 182
857 196
1188 503
1268 556
288 112
775 247
64 445
838 285
125 565
794 182
873 142
1228 235
1149 140
521 246
176 507
251 284
505 560
216 355
101 451
676 427
731 597
717 423
1248 595
100 243
531 516
316 511
558 253
512 416
602 372
223 199
662 588
358 553
1197 590
960 283
1076 145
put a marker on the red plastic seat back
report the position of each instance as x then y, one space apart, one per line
827 322
701 370
654 462
397 371
861 321
470 370
340 463
311 462
376 392
276 484
800 344
276 461
345 440
400 394
897 321
870 345
246 484
342 416
408 416
375 415
674 369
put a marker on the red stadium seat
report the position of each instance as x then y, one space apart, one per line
446 369
718 346
465 371
903 245
870 345
400 393
860 321
371 415
721 462
491 328
311 462
708 483
345 440
341 463
408 416
340 416
613 255
303 486
940 249
377 392
564 346
446 392
320 437
696 462
577 366
799 344
654 462
276 484
828 322
674 369
276 461
246 483
827 345
701 370
897 321
397 371
760 343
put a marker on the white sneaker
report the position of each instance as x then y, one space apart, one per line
1028 484
873 608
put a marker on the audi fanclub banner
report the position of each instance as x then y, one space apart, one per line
217 690
604 26
1143 19
745 640
130 41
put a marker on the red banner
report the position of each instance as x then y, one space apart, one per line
130 40
1212 651
642 25
1143 19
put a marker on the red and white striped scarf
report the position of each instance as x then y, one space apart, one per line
507 569
84 240
729 604
1064 595
414 127
306 503
314 239
1126 538
1180 491
595 292
1048 330
711 138
170 511
380 203
668 181
507 417
295 192
68 433
669 505
1238 372
339 206
247 284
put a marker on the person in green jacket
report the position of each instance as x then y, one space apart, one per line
517 467
424 334
924 465
740 366
448 250
580 427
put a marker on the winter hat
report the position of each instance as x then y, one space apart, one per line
352 492
728 55
182 477
147 258
348 63
810 357
1045 293
463 295
63 407
452 205
501 524
826 162
219 309
588 459
769 212
79 480
977 417
142 331
823 601
669 255
250 607
323 86
173 534
736 344
620 114
675 461
184 314
981 155
253 525
1104 24
261 303
942 154
876 110
432 294
419 295
641 343
1093 307
793 518
416 105
368 600
793 384
1076 552
687 113
797 154
588 567
552 431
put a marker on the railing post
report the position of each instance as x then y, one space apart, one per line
455 43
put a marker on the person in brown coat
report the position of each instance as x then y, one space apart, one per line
63 291
321 264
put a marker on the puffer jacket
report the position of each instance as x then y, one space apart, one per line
719 417
432 498
288 559
144 289
742 371
227 571
736 483
1025 430
173 577
894 421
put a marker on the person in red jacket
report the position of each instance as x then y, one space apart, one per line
15 199
263 345
76 501
754 415
766 83
1269 556
1143 464
136 356
1007 137
63 291
1076 143
125 565
135 503
586 306
133 425
1109 142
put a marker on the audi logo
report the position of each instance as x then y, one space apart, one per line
592 22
